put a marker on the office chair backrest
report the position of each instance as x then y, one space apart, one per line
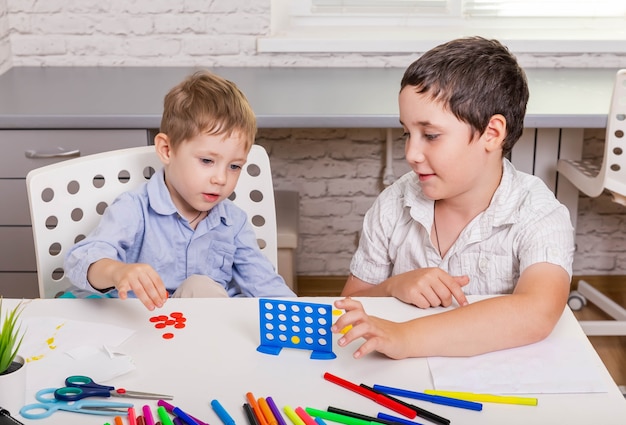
615 150
67 199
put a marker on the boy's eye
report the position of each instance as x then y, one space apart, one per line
206 161
431 136
235 167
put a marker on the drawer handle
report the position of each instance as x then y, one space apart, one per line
56 153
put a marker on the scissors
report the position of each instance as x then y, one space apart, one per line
78 387
48 404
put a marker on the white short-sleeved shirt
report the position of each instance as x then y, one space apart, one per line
524 224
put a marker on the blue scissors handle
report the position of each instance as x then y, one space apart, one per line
82 381
78 393
47 405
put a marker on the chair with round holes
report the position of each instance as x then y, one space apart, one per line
593 179
67 199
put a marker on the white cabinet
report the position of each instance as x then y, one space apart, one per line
22 151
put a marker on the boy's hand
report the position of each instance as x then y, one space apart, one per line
381 335
429 287
144 281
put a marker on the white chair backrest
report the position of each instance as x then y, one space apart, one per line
67 199
614 161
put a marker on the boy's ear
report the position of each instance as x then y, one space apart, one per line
163 147
495 132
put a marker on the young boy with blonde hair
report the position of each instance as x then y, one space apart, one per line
178 234
464 221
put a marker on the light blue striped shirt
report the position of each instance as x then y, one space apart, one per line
524 224
143 226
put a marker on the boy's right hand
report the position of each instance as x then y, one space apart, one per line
428 287
144 281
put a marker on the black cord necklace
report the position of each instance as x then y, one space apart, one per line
435 227
198 216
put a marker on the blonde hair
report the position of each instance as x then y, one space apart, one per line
206 103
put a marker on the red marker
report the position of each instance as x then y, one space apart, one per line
378 398
132 418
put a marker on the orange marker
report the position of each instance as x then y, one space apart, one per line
256 409
118 420
267 412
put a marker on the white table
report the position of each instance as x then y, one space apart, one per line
215 357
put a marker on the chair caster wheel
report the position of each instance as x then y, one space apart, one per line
576 300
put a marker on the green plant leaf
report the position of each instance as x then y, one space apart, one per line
11 335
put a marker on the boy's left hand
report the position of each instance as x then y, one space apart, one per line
381 335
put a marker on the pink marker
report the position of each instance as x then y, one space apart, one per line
147 415
306 418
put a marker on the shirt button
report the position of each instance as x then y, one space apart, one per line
483 265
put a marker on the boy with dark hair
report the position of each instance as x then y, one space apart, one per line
464 221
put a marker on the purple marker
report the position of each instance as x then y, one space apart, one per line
276 411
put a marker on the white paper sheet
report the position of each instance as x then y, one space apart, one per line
553 365
56 348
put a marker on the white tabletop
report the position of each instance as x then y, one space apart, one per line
215 357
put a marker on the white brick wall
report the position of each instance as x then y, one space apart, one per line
337 171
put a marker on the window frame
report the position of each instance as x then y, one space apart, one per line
295 29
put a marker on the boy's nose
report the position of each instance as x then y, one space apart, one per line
219 177
413 152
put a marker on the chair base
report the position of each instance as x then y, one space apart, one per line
615 327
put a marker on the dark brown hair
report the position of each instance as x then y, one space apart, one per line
474 78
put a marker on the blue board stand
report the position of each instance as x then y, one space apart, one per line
294 324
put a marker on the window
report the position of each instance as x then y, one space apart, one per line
536 26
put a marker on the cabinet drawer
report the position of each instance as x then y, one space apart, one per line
17 249
19 285
15 143
14 210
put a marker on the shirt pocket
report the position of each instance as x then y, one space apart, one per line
221 256
489 273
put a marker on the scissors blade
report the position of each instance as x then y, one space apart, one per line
139 394
104 409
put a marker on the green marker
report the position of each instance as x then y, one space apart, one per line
164 416
336 417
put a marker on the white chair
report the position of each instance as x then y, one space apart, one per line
67 199
592 179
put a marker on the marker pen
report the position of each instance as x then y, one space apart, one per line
188 419
254 405
169 408
267 412
164 416
132 418
293 416
147 415
252 420
306 418
222 413
276 411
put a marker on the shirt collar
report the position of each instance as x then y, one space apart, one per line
502 210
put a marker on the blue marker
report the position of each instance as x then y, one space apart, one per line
396 419
222 413
184 416
446 401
